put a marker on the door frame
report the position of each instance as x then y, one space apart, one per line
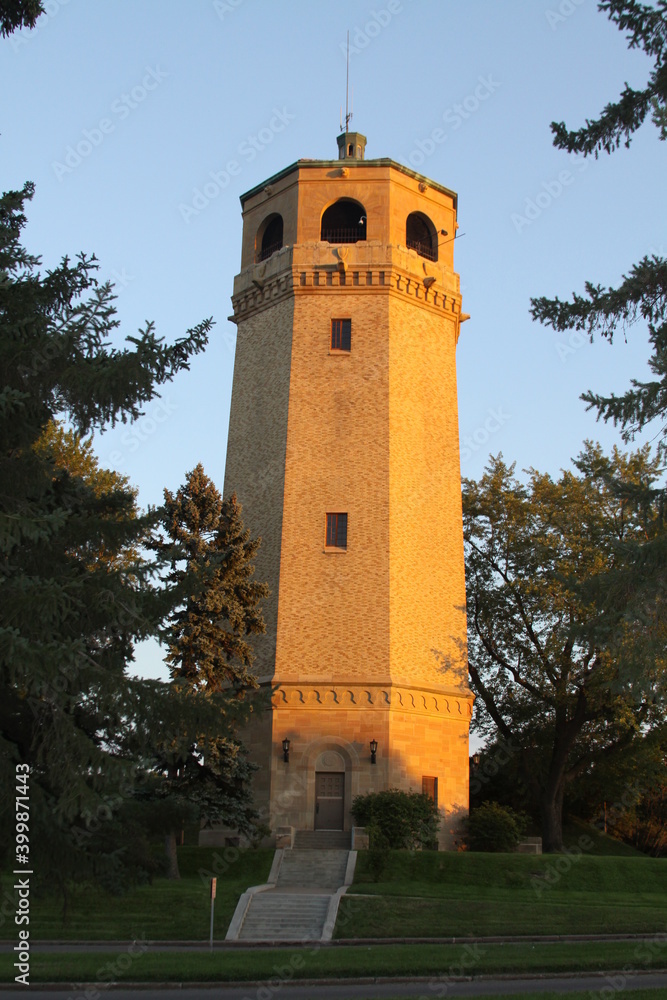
341 775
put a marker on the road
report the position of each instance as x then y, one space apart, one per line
360 991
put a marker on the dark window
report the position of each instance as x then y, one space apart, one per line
420 235
430 788
344 222
337 531
341 334
272 237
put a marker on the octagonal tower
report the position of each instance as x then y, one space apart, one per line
344 452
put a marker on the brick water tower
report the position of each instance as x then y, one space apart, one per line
344 452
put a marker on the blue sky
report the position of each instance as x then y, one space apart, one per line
120 112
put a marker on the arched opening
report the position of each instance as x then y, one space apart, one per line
421 235
269 237
344 222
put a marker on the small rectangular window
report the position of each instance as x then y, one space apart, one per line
337 531
430 788
341 334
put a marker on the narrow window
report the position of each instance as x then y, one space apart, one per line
337 531
341 334
430 788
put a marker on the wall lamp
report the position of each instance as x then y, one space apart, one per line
286 751
374 750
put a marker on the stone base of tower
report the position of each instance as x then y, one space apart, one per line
422 738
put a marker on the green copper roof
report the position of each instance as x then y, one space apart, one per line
350 165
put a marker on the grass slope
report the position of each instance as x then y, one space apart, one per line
426 894
164 910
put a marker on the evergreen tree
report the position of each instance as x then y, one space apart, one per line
210 656
76 593
642 294
208 648
18 14
632 594
559 690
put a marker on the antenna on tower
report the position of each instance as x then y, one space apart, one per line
348 114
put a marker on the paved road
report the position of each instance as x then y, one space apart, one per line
359 991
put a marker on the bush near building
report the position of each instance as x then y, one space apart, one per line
406 820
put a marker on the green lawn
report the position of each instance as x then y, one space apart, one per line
316 962
425 894
162 911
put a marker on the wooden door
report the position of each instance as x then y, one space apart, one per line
329 800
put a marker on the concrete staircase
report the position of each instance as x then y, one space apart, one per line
312 869
300 902
281 916
322 840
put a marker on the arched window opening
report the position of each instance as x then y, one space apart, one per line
270 237
344 222
420 235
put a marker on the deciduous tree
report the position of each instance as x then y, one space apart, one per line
556 688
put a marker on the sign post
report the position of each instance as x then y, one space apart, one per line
214 885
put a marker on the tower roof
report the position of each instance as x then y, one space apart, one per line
352 162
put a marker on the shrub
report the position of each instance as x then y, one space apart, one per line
406 820
492 827
378 851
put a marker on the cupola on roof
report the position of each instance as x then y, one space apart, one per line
351 146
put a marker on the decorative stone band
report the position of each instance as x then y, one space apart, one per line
374 267
375 697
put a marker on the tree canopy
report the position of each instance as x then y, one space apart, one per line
77 593
642 293
552 685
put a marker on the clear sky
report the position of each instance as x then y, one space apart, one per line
120 112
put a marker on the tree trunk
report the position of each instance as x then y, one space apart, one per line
172 856
552 819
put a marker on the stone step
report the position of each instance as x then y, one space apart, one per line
322 840
284 917
317 869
